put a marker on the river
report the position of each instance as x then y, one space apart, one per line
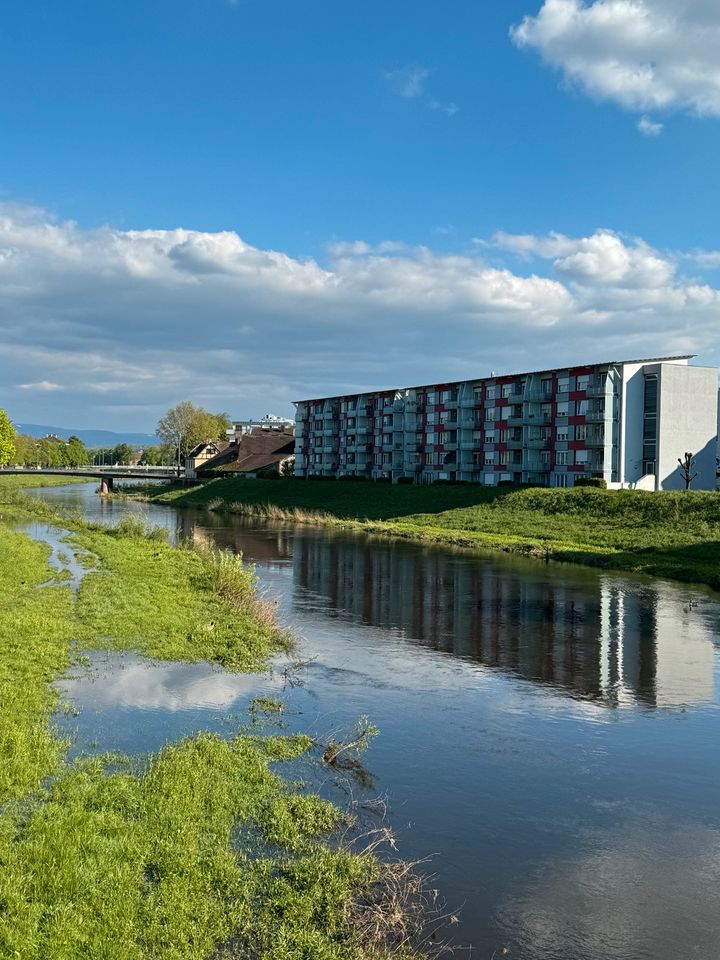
549 735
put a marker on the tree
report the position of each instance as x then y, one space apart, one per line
686 467
7 439
123 453
26 451
185 426
76 454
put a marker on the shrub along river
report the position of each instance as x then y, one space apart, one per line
549 735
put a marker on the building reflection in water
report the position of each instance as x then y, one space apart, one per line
616 640
607 638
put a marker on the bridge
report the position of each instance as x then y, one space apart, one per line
105 474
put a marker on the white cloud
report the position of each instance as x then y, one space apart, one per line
129 322
649 127
42 385
410 83
643 54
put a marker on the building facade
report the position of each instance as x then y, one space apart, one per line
626 422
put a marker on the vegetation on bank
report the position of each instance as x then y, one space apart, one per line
668 534
199 851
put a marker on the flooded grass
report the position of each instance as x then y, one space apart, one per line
124 858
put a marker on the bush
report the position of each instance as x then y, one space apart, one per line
352 477
591 482
406 480
382 480
267 474
505 483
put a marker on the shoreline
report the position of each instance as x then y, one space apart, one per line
143 852
674 555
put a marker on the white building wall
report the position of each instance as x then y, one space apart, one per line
687 421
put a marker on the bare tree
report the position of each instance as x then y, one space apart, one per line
686 467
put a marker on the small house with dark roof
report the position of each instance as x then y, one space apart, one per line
260 449
202 453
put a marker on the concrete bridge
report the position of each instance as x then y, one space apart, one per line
105 474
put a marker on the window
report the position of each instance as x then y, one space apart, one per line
504 436
444 437
477 437
448 396
489 458
490 436
560 480
428 459
581 431
650 406
490 392
561 434
583 381
562 457
490 414
563 384
581 407
546 412
477 395
562 409
545 458
506 390
582 456
546 386
432 396
430 437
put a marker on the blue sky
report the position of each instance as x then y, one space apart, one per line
421 129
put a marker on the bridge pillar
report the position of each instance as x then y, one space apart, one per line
106 486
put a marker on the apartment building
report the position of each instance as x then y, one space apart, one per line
626 422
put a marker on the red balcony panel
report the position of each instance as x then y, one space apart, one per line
509 379
502 402
581 371
577 444
501 424
578 394
574 421
500 468
501 447
579 467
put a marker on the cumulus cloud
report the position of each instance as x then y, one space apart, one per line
643 54
121 324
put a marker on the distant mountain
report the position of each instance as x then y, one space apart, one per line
91 438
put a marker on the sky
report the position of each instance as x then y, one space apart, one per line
246 203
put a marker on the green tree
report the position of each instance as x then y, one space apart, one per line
123 453
76 454
7 439
26 451
185 426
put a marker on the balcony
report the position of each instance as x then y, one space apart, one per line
329 415
329 432
538 443
595 415
467 403
597 441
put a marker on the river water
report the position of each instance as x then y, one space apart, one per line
549 735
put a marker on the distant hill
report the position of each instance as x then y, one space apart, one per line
91 438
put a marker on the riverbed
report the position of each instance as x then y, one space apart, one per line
549 735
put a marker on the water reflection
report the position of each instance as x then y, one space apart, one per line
613 639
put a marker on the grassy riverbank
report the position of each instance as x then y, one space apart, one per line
674 535
200 850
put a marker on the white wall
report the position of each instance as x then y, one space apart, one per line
687 422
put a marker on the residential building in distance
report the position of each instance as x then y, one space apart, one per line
626 422
257 447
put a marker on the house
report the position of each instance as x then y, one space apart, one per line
202 453
257 448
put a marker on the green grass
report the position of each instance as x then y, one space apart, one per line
669 534
183 854
28 480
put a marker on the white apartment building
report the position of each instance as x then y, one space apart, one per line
626 422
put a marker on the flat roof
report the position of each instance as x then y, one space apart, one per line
524 373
